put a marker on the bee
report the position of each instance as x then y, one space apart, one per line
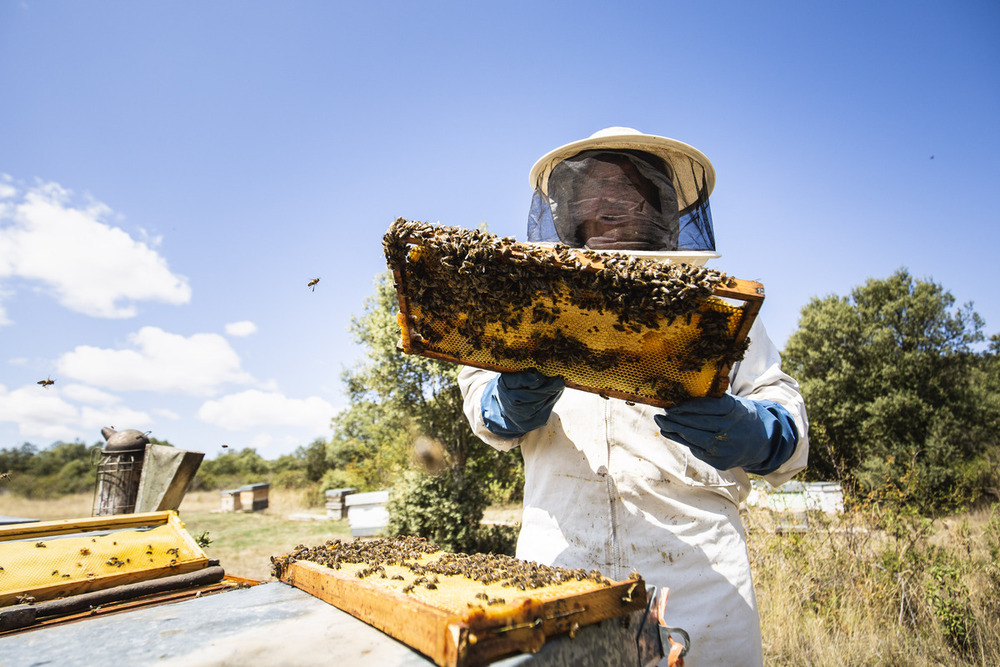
4 475
312 284
46 382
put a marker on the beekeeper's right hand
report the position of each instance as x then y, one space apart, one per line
515 403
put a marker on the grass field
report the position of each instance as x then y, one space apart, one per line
866 589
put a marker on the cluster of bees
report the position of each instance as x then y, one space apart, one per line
412 554
475 283
511 572
569 349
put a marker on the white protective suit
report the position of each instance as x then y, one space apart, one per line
604 489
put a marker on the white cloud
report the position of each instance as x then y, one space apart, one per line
39 413
72 412
158 361
83 394
4 293
266 444
7 189
119 417
255 408
88 265
240 329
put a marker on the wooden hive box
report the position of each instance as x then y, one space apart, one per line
253 497
430 601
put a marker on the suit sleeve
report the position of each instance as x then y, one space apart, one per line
472 382
759 376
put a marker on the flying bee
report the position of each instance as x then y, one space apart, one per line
312 284
46 382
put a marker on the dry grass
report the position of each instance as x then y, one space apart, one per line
874 588
68 507
245 541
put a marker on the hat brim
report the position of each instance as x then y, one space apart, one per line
694 175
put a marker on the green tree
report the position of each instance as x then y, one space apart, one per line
17 459
232 469
64 467
891 381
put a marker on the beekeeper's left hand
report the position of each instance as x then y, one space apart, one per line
733 432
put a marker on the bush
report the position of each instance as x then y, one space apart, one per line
447 510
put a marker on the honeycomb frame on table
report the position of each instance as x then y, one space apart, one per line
460 610
611 323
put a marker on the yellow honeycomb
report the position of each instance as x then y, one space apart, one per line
644 331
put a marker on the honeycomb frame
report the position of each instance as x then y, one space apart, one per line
615 324
461 610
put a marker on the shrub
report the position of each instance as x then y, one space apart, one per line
446 510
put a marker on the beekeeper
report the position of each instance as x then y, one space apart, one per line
624 487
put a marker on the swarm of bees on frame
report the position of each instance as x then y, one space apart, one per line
411 554
474 282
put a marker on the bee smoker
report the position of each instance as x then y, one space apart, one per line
118 471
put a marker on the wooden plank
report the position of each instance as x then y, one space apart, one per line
476 637
65 526
534 621
414 623
752 294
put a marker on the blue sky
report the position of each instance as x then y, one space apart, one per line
172 174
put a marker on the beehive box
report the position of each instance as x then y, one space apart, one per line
46 560
459 610
616 324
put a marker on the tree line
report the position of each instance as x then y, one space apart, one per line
71 467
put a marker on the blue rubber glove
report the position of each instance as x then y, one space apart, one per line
733 432
515 403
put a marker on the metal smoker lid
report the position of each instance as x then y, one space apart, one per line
124 442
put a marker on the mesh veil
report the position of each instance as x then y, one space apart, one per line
580 184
